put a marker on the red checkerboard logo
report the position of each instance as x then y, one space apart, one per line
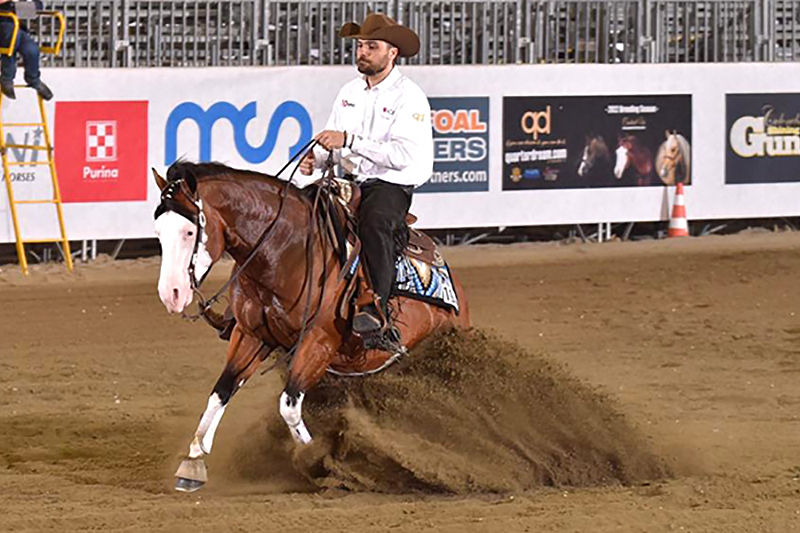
101 141
101 151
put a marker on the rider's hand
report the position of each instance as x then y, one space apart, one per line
307 164
330 139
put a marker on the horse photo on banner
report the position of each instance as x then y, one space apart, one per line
569 142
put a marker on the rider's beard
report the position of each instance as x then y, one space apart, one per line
366 68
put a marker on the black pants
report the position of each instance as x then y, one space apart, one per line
381 221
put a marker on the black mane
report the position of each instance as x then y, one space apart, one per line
189 171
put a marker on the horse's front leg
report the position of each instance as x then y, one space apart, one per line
245 352
308 366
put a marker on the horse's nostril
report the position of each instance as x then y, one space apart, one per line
175 294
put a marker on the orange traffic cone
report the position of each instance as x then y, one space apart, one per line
678 225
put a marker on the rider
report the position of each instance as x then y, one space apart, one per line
380 134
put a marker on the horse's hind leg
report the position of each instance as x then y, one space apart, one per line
244 355
308 367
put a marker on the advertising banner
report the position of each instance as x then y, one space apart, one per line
502 158
460 145
101 151
596 141
763 138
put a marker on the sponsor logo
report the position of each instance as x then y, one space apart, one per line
387 111
518 174
449 122
101 140
458 121
460 145
532 174
634 123
239 120
101 151
23 155
419 117
535 123
345 103
771 135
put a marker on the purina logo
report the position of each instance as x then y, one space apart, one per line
101 151
101 141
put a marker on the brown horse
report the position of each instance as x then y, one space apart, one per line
207 209
633 154
596 156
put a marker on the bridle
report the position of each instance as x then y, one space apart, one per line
198 218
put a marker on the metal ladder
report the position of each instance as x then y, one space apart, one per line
47 147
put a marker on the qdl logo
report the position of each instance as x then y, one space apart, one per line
239 120
101 151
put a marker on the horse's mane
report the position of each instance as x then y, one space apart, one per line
194 173
187 170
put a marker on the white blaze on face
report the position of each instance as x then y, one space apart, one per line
584 168
176 235
622 161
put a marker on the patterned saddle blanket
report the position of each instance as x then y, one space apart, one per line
420 280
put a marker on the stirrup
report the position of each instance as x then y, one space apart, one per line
365 323
386 339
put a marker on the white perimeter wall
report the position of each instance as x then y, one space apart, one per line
316 87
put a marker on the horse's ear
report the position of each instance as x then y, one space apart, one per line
161 182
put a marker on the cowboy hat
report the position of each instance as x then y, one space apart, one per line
379 27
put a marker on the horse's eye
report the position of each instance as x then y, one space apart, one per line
190 233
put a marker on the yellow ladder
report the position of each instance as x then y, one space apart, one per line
47 148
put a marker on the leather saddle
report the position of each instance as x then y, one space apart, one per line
419 246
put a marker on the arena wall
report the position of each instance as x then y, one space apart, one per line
147 117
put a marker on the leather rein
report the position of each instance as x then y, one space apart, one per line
168 203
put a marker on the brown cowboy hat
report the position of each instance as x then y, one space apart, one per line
379 27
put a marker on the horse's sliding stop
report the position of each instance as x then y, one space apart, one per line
330 274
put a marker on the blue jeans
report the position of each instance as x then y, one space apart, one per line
25 46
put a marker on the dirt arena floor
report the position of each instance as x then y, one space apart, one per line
622 387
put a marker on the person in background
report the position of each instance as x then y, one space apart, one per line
27 48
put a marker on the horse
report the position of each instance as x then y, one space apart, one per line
633 154
284 268
596 156
673 159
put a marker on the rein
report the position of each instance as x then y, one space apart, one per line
203 304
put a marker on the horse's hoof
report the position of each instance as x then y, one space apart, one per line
188 485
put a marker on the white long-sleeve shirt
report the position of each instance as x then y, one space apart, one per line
391 123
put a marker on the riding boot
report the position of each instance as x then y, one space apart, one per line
373 324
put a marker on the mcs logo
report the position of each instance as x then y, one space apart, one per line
239 119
